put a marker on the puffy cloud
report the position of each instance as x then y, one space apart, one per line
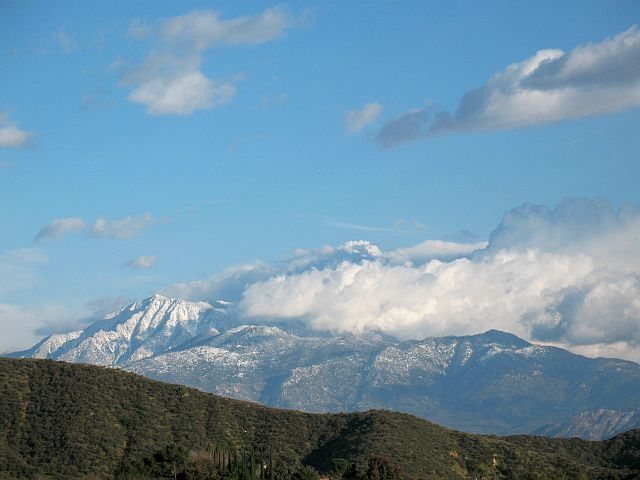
10 135
432 299
59 228
356 120
231 283
123 228
171 80
142 262
409 126
182 93
612 62
592 226
568 276
550 86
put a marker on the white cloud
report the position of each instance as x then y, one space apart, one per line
10 135
434 249
230 284
171 80
142 262
550 86
59 227
123 228
356 120
182 94
227 285
204 28
575 283
406 301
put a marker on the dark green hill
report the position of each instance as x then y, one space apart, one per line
60 420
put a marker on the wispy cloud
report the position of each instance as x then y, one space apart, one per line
79 317
10 135
19 323
65 41
356 120
59 227
139 29
202 29
550 86
123 228
361 228
18 269
142 263
171 80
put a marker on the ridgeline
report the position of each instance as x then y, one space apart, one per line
60 420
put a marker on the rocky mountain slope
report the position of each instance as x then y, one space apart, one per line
493 382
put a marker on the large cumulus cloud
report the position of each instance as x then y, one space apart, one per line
568 275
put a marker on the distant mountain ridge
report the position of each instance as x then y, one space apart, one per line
493 382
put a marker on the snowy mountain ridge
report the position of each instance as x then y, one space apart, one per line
493 382
140 330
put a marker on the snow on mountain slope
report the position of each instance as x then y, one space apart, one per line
140 330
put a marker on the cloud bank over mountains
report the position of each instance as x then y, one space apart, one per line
568 275
550 86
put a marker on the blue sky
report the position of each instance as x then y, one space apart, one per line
143 144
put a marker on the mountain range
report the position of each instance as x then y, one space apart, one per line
493 382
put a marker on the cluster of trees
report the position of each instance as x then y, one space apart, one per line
213 463
216 463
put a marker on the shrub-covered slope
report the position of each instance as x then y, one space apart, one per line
68 421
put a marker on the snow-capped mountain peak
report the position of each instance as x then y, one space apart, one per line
139 330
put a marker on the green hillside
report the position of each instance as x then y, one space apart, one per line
61 420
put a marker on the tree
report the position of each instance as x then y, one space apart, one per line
382 468
305 472
339 466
